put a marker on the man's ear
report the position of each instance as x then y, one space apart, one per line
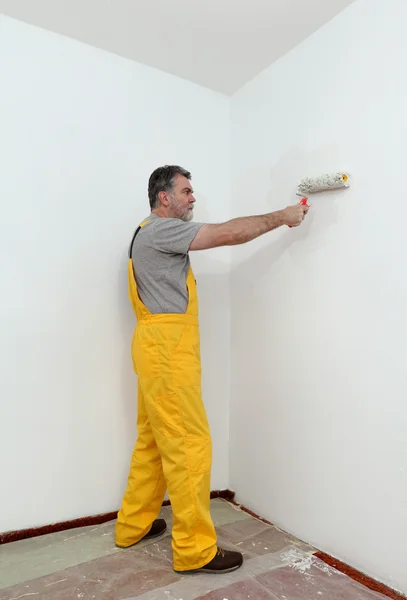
163 198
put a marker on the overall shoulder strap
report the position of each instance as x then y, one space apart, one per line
135 233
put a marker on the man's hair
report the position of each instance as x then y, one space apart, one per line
162 180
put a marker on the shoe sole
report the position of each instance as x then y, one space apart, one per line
210 571
147 537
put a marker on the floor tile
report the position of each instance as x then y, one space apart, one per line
224 513
242 590
306 578
254 538
40 556
265 541
113 577
242 530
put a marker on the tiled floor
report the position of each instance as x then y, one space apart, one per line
84 563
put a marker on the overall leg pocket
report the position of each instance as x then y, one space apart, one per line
168 416
199 454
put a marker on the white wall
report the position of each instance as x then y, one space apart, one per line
81 131
319 344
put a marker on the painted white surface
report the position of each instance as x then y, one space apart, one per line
319 387
217 43
81 131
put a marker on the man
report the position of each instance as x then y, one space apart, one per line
174 449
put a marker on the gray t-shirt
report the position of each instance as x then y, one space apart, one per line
161 263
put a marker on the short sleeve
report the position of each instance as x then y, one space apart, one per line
173 236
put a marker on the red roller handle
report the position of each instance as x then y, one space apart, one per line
304 202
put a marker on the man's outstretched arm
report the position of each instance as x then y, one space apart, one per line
245 229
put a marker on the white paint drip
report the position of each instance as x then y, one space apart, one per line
55 582
327 569
24 595
170 596
297 560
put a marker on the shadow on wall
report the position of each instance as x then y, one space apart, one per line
127 403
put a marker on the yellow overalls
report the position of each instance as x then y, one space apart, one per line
174 448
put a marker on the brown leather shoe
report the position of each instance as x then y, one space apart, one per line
158 528
225 561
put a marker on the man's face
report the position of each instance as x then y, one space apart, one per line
182 199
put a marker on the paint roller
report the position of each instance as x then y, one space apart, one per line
322 183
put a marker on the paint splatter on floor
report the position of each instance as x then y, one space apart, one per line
85 564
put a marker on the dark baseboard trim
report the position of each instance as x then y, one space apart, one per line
23 534
342 567
368 582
